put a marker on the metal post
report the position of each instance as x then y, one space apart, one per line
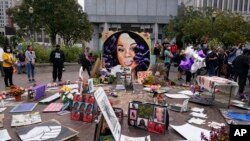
231 88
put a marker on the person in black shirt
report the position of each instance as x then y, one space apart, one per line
20 62
241 66
157 50
84 61
57 58
212 63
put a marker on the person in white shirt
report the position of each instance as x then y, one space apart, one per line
30 57
1 62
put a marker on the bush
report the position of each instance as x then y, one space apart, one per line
42 54
71 53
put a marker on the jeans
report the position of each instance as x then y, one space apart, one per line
167 65
211 70
8 71
1 68
20 67
30 70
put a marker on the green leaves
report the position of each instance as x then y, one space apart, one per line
63 17
195 25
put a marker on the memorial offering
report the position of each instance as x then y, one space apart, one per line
50 130
53 107
141 75
4 135
25 119
39 91
23 107
83 108
51 98
236 117
151 117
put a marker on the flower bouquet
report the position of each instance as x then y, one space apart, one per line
16 92
2 97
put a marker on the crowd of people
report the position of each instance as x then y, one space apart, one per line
20 61
232 63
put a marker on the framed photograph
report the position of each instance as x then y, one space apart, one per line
145 111
133 114
142 123
156 127
159 114
133 105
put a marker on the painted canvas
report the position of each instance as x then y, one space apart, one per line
51 98
53 107
50 130
125 48
23 107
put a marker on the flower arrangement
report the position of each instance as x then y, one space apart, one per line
16 91
220 134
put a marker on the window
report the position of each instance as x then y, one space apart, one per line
245 5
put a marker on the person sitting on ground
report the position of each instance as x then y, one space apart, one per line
21 62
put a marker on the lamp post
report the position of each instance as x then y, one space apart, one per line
31 11
214 14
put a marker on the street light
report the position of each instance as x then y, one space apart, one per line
31 11
214 14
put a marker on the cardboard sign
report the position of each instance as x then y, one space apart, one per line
108 113
82 108
25 119
150 117
141 75
51 98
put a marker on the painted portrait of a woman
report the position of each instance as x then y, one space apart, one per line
127 49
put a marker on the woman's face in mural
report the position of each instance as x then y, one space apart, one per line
125 51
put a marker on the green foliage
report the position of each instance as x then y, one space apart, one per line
42 55
195 25
149 80
71 53
146 111
214 43
96 54
4 42
63 17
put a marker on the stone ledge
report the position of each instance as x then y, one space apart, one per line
47 67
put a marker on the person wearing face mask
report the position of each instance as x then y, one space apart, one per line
30 57
57 58
8 62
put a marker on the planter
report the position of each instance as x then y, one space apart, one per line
18 98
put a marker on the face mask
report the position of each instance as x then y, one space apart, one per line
8 50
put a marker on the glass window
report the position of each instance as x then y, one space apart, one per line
240 5
220 4
235 5
245 5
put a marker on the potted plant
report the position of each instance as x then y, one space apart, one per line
16 92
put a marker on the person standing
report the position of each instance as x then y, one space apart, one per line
167 61
1 62
84 61
8 62
57 58
30 57
241 65
212 62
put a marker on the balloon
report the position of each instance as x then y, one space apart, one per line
201 54
186 64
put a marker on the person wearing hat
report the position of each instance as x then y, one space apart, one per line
241 67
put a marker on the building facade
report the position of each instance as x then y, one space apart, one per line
239 6
133 15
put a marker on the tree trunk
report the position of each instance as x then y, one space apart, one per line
53 39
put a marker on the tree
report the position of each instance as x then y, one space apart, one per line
195 25
58 17
4 41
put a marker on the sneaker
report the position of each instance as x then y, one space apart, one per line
243 97
33 80
30 80
60 80
7 87
54 80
